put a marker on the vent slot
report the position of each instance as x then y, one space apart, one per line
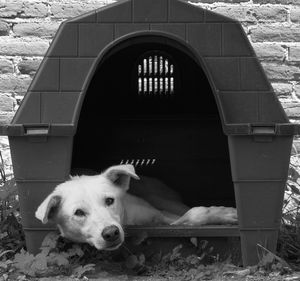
139 162
156 74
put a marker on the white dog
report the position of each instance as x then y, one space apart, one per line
93 209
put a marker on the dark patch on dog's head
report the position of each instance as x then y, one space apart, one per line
54 205
49 208
120 175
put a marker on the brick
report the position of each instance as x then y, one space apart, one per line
29 66
276 71
4 28
214 1
6 103
240 13
296 146
270 14
35 10
6 66
284 2
282 90
253 14
45 29
14 84
275 33
19 47
294 53
297 92
292 109
69 10
10 9
6 118
295 14
88 17
266 51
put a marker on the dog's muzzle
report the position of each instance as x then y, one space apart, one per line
111 234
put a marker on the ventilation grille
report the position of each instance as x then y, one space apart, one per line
155 75
139 162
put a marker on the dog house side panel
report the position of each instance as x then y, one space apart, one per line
180 11
259 157
32 193
116 12
215 17
65 41
122 29
267 238
35 237
205 38
271 109
30 110
239 107
177 29
234 41
150 11
266 196
73 73
225 72
47 76
252 75
41 157
89 17
93 38
59 108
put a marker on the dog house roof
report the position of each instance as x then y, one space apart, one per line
245 99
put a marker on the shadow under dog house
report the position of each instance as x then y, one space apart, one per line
175 90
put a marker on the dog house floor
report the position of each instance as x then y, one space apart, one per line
184 231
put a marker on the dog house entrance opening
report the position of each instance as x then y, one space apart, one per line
149 104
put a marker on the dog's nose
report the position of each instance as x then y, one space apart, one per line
111 233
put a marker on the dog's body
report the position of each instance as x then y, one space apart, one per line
93 209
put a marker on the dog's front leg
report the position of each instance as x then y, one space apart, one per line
208 215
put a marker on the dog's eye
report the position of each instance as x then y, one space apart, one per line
109 201
79 213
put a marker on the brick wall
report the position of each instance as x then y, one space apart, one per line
27 27
273 28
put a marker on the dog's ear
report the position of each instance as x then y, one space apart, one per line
120 175
47 210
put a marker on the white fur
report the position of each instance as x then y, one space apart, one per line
88 193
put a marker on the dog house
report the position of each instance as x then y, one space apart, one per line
171 88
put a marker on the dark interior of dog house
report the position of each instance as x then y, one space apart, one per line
150 104
175 90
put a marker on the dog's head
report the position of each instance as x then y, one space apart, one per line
90 208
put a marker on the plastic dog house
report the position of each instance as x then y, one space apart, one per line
171 88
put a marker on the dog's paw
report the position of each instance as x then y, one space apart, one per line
208 215
223 215
193 217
